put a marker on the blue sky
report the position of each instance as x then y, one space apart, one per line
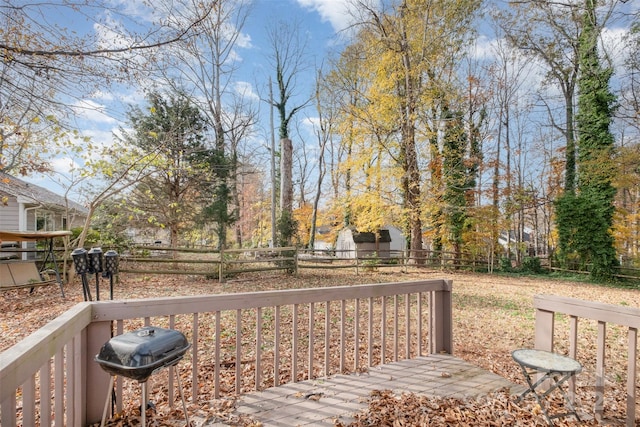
102 113
99 115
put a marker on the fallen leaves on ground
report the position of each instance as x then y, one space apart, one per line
493 315
496 409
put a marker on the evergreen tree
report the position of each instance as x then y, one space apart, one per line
172 132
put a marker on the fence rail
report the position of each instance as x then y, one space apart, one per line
221 264
278 336
547 306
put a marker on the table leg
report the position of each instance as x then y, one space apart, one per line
532 389
557 384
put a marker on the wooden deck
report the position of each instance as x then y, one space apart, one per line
321 402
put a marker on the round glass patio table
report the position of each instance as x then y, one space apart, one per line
549 368
546 361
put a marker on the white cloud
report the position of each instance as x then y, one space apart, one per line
243 40
110 34
102 96
62 165
99 137
613 41
245 89
484 47
92 111
311 123
140 11
336 12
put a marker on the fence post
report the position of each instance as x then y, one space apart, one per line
357 261
405 261
221 266
441 325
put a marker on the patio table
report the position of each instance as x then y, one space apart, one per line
547 366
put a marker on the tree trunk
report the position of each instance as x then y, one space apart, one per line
286 179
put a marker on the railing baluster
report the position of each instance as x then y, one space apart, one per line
600 356
294 345
573 352
170 396
216 352
395 328
327 338
407 332
311 336
77 390
632 374
356 337
238 352
8 411
194 362
28 401
419 318
343 336
58 372
258 346
370 332
70 369
383 331
276 349
45 394
119 379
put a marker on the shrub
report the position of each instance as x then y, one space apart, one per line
532 265
505 264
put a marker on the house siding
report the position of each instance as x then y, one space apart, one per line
27 202
9 217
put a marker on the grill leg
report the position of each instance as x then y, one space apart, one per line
184 403
143 407
106 404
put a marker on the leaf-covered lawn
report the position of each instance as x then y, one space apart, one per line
493 315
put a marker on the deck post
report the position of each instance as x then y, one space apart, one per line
96 380
441 327
544 329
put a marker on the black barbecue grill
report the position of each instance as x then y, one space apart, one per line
141 353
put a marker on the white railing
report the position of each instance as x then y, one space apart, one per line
546 308
51 378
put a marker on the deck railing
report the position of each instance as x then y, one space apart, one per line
51 378
548 306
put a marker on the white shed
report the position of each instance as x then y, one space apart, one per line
350 243
398 240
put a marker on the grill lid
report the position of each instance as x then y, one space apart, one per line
140 353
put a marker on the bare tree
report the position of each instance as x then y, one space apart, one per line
323 131
287 58
45 68
205 66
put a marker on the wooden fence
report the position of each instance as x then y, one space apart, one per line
221 264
